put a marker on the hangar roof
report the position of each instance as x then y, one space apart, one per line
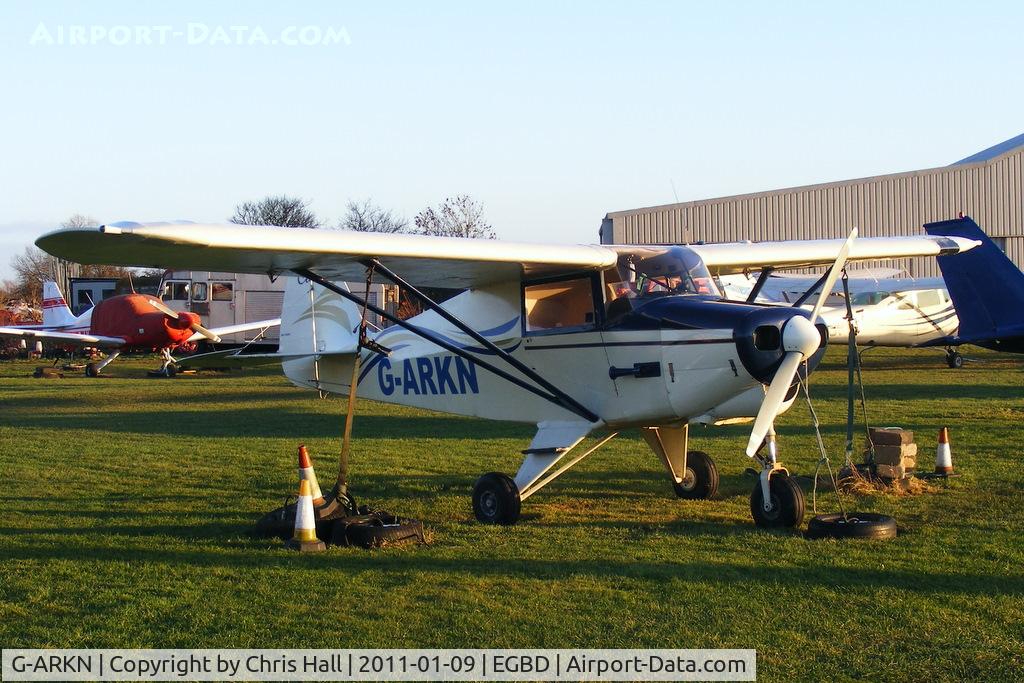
994 151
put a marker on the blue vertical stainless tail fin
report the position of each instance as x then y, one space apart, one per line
986 287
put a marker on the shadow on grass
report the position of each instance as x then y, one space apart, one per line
260 556
924 390
277 423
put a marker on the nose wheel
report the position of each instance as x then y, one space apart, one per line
496 499
785 506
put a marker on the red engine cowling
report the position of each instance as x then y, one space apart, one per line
134 319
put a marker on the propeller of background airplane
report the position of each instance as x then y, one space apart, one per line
195 327
800 339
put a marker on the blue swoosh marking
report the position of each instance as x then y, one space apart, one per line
373 361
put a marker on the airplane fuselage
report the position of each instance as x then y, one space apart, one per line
672 359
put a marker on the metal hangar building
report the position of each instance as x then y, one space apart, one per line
988 186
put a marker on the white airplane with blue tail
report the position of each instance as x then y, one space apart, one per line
579 340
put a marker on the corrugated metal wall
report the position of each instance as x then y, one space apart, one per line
992 192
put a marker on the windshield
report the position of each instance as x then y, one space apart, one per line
643 273
677 270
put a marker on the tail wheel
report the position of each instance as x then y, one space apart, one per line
496 499
700 479
787 503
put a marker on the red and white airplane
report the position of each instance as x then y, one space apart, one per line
129 322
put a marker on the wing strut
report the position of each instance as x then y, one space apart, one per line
759 285
556 396
807 295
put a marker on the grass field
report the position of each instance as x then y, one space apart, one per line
126 503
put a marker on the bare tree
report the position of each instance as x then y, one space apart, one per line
366 216
280 210
34 266
460 216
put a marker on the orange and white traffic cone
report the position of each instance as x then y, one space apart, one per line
306 473
943 455
304 537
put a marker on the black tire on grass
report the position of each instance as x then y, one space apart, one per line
858 525
379 530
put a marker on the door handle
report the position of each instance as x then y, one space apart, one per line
639 370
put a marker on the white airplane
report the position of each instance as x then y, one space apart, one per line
887 311
575 339
121 323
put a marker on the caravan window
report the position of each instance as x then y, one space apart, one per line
198 291
222 291
176 291
559 305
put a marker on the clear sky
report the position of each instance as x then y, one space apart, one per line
550 113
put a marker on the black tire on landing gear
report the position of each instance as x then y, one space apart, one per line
700 480
171 370
92 370
496 499
954 360
787 498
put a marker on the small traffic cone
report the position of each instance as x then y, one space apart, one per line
304 538
306 473
943 455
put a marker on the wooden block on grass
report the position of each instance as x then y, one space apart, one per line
891 471
895 455
890 436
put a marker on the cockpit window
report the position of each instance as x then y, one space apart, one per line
647 273
674 271
868 298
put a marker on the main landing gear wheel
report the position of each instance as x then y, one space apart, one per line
700 480
91 370
787 503
496 499
954 360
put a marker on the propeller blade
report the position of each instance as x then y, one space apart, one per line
160 306
773 399
833 274
196 327
800 339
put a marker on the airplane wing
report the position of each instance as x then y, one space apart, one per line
66 338
426 261
737 257
233 358
235 329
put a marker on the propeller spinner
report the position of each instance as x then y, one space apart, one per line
174 315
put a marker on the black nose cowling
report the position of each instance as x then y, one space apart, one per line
758 338
757 328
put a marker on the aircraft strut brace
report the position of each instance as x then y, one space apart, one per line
487 343
762 279
556 397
